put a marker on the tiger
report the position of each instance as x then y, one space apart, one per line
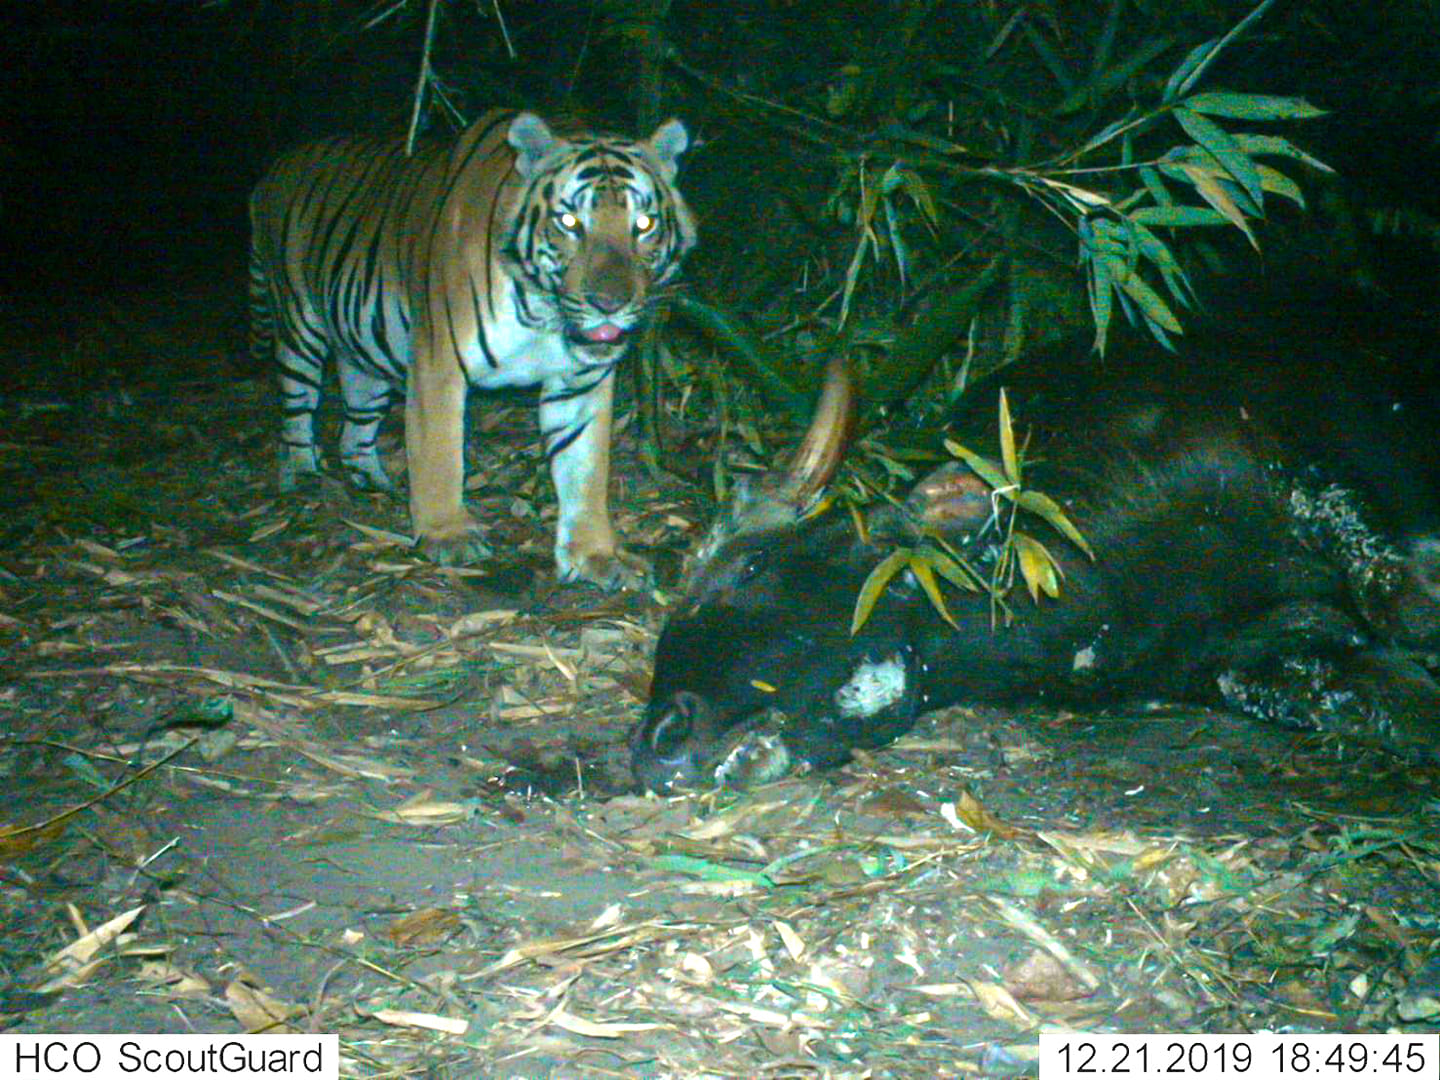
516 255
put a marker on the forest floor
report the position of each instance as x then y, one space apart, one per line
266 769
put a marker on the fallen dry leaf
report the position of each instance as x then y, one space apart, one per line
423 927
258 1011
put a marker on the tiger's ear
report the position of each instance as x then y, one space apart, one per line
533 140
668 143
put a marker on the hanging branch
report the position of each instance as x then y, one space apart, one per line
504 30
423 79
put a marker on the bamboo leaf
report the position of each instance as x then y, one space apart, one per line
956 571
1150 303
1105 83
1180 79
926 576
1175 216
1201 57
1155 185
904 133
897 243
1160 255
875 584
1008 456
1217 140
1101 286
1047 508
914 185
1209 188
984 468
852 275
1276 146
1038 567
1277 183
1259 107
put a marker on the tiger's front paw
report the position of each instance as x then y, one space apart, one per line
611 568
454 545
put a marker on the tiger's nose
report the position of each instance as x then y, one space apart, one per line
606 303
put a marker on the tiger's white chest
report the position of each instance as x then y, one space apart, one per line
507 352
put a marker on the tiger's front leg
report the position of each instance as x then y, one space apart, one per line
435 460
575 421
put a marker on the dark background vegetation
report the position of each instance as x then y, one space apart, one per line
131 132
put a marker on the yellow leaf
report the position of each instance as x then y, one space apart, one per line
1208 187
953 570
1038 567
979 817
984 468
923 574
1049 509
1007 442
875 584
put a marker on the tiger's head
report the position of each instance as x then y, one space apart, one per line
600 228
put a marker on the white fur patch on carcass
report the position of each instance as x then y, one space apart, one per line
873 686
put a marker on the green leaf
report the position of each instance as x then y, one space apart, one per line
1100 285
904 133
1152 248
1155 185
1150 303
1276 146
897 243
926 576
1175 216
1105 83
1200 58
1277 183
1259 107
914 185
852 275
1215 139
1189 69
875 584
706 870
1042 505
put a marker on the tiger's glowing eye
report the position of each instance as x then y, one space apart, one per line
568 221
644 223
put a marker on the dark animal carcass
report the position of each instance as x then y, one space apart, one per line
1266 525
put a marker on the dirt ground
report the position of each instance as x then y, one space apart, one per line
266 769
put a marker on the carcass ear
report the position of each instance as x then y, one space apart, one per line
951 501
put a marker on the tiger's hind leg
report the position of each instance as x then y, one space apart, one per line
298 352
368 396
301 373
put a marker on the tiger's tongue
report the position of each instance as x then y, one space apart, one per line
603 334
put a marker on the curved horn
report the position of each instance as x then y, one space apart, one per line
820 452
